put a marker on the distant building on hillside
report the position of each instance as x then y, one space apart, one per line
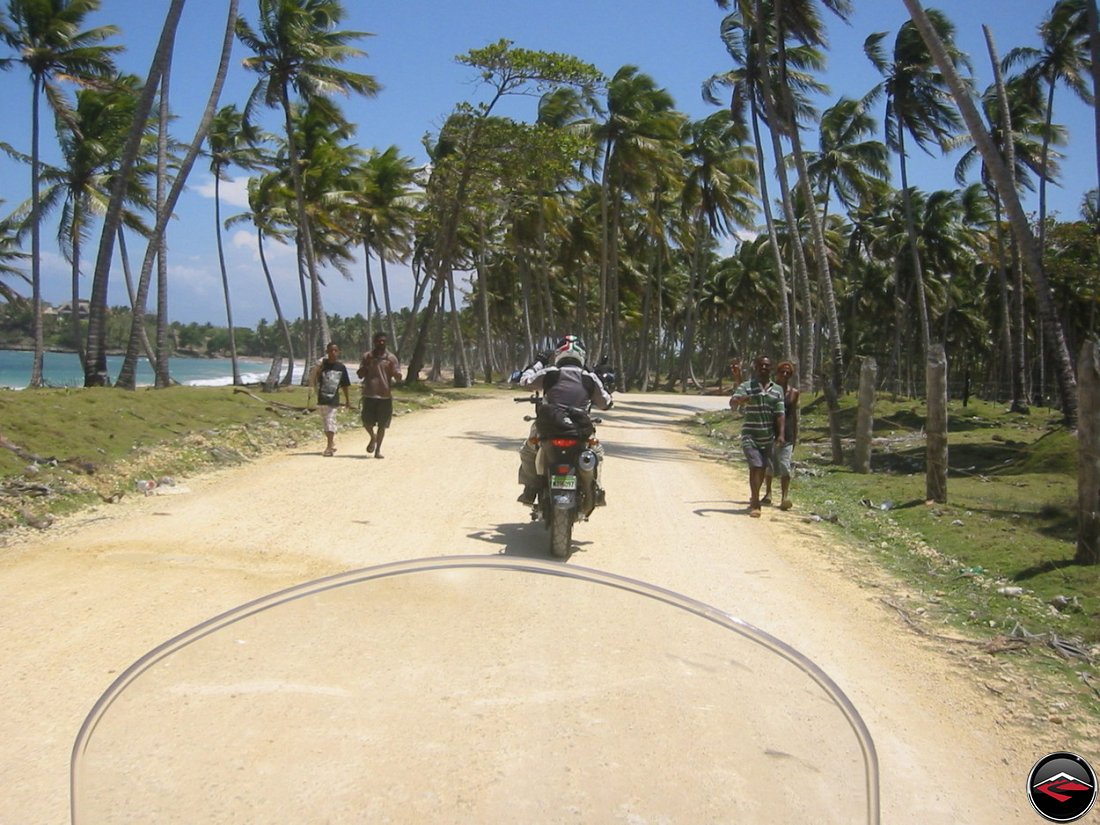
66 309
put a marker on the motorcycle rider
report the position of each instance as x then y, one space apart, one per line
564 383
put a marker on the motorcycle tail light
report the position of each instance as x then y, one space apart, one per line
563 470
562 443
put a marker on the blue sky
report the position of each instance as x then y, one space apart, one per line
411 53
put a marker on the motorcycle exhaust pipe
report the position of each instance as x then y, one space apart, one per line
586 478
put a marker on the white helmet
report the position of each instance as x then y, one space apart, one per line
570 350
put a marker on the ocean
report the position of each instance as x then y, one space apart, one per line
62 369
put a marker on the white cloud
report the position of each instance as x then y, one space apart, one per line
232 192
196 281
243 239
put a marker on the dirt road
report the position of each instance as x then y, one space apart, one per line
82 601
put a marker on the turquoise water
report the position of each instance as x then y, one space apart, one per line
62 369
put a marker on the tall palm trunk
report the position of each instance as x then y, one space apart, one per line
386 298
462 377
824 272
316 323
805 341
129 367
160 363
95 368
225 281
699 230
802 277
914 247
483 313
605 249
131 292
75 232
371 299
1019 400
442 258
36 246
288 341
1051 323
1010 341
1093 22
773 236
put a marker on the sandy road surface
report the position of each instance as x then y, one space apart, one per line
81 602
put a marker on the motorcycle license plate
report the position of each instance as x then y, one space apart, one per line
563 482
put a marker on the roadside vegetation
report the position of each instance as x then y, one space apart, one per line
990 571
65 449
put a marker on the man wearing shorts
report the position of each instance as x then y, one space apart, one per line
379 370
781 455
329 378
763 424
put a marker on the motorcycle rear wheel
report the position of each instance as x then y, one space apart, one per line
561 532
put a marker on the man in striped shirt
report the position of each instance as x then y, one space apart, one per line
763 425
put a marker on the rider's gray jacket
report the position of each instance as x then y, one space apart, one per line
567 386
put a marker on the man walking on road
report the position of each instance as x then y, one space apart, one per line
380 371
329 378
763 425
781 453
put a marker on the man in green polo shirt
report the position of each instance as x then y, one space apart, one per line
763 424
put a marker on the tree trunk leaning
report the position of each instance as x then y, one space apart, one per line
272 382
936 425
1088 450
865 417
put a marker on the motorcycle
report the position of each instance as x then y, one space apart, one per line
607 377
474 689
568 464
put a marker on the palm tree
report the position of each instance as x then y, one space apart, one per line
846 163
9 253
298 46
1032 255
383 203
640 135
1027 152
744 82
167 197
95 368
269 205
800 20
918 103
1063 59
717 196
231 143
91 145
779 80
48 40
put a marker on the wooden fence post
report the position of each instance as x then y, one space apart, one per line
935 475
1088 453
865 416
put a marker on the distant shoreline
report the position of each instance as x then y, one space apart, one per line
257 359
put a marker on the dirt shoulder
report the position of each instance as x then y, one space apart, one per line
82 600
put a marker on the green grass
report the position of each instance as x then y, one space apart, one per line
1010 522
78 446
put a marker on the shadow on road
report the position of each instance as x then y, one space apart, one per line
705 512
523 540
